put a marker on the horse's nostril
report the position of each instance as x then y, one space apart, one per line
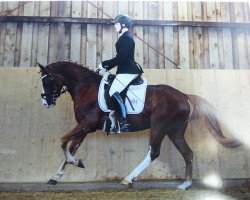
44 103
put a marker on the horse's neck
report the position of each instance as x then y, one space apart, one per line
85 87
77 80
71 74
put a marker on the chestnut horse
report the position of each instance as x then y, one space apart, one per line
168 112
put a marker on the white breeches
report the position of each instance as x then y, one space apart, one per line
120 82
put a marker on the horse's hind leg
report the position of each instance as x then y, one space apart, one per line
153 153
135 173
177 137
73 148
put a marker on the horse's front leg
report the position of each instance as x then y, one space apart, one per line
71 152
60 172
54 179
79 132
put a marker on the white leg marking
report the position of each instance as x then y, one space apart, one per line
60 172
135 173
70 159
185 185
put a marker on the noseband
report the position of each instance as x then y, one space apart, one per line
52 96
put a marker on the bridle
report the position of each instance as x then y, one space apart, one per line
54 94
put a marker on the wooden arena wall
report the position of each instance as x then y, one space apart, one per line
197 43
30 134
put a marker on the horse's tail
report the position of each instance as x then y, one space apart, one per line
200 108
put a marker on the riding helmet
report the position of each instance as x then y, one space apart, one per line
123 19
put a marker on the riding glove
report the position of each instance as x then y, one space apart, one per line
101 69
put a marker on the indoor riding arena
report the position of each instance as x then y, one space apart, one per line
198 48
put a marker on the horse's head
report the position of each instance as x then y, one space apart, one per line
51 86
62 76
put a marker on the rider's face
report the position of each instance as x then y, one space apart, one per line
117 27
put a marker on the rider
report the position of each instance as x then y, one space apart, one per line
127 68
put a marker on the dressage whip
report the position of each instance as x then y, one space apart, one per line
178 66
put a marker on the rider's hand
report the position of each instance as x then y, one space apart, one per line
101 69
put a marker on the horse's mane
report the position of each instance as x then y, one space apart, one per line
76 65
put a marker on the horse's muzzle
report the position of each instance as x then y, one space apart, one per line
48 106
48 102
45 104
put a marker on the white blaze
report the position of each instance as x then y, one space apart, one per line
44 102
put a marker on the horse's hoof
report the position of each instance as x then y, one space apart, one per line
126 182
185 185
52 182
80 163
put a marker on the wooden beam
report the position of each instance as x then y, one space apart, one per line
35 19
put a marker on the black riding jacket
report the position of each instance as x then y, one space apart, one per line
125 49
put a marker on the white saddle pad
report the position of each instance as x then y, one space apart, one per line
136 94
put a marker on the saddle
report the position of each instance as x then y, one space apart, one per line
133 96
137 81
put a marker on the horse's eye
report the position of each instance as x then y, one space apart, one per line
47 81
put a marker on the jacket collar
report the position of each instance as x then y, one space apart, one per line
123 33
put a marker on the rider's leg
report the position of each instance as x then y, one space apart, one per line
119 84
123 120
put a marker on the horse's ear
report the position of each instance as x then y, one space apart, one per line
41 67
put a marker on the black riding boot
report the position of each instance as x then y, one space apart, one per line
124 126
